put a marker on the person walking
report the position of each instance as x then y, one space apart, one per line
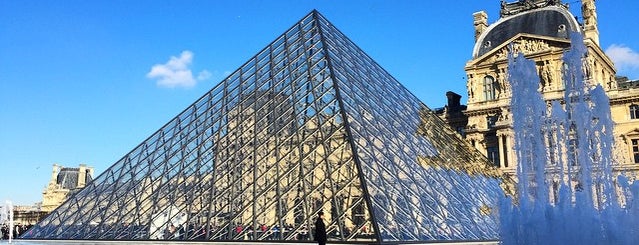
320 229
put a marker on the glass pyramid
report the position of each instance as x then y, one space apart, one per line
311 123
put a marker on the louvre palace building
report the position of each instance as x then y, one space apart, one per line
539 29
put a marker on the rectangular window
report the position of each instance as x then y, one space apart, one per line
550 145
504 149
572 152
634 111
635 150
493 155
358 213
490 121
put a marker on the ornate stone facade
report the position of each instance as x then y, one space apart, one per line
27 215
64 181
624 106
489 126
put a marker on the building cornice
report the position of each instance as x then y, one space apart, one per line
477 62
483 111
623 100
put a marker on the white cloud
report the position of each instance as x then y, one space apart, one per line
626 60
203 75
176 72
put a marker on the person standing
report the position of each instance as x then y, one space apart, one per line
320 229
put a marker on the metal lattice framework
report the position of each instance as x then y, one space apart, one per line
310 123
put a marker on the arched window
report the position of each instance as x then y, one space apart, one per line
634 111
489 88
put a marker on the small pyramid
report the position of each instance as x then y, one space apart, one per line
311 123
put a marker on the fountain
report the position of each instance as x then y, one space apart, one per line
6 215
566 192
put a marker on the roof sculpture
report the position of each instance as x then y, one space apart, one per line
516 7
310 123
536 17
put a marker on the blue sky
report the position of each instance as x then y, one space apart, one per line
78 83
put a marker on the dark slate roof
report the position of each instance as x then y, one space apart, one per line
625 83
547 21
68 178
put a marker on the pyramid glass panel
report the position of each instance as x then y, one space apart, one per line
310 123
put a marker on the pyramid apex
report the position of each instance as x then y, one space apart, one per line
315 13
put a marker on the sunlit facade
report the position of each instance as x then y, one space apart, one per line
539 29
64 182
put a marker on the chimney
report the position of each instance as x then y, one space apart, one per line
453 101
589 13
480 21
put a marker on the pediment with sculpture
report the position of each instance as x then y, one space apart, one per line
527 44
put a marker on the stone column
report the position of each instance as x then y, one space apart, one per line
512 161
54 174
82 175
500 145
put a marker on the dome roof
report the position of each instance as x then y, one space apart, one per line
551 21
